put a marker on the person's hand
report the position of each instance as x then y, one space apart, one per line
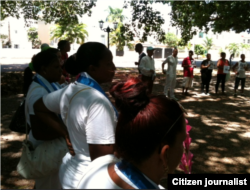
64 133
136 63
164 72
236 72
69 145
208 65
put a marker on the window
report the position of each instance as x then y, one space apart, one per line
176 32
248 41
16 31
103 36
201 35
244 41
16 46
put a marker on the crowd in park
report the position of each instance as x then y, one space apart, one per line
107 146
147 71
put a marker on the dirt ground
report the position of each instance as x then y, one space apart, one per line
220 126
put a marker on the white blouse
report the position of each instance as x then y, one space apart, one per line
90 119
36 91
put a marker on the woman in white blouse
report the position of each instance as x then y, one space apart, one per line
48 71
85 110
149 140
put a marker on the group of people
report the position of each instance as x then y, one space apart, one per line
147 72
133 144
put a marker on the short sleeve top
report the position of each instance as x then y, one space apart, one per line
35 92
222 63
187 71
88 115
241 69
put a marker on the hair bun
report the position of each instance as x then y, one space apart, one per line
71 65
130 96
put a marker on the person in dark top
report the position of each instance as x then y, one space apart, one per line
139 50
64 47
206 73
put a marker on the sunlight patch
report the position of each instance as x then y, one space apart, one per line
247 134
200 140
235 140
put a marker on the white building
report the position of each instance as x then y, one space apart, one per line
17 32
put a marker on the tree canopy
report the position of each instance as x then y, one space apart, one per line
194 16
208 43
33 37
63 12
189 16
71 32
115 14
171 40
199 50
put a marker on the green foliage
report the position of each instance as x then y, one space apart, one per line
216 15
171 40
115 15
33 37
131 46
189 46
3 37
208 43
148 21
190 16
199 50
62 12
244 47
233 48
71 32
118 37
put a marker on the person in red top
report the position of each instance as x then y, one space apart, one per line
221 76
188 65
64 47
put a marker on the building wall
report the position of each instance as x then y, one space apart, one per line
44 32
18 33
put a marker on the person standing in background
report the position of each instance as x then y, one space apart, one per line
240 74
64 47
147 68
170 83
139 50
206 73
221 75
188 65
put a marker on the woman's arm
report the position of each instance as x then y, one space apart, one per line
98 150
50 119
219 65
100 129
42 132
185 64
236 64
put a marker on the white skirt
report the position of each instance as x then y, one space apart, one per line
187 82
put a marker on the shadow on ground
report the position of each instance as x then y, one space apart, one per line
220 127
